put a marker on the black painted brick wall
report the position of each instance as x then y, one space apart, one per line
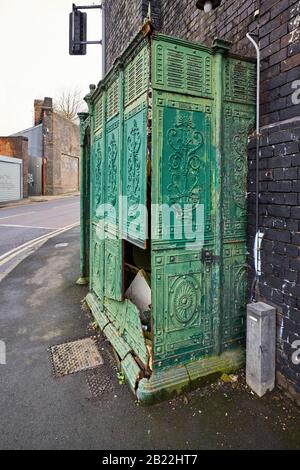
278 25
280 179
123 20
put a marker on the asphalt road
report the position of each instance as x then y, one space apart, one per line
21 224
40 307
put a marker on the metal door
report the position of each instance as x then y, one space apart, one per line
96 201
35 176
198 288
134 165
119 173
11 179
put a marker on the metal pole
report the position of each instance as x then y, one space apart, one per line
79 43
87 7
103 40
257 238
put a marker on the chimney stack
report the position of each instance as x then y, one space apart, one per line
38 105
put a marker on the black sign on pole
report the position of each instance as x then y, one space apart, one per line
77 32
78 29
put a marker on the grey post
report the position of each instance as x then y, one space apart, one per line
261 344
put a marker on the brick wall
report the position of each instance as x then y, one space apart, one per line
278 25
61 149
17 147
179 18
280 179
119 30
66 151
123 20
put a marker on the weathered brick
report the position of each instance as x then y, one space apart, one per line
295 212
290 62
279 211
280 235
278 56
285 173
296 238
280 162
279 153
279 7
17 147
278 32
280 186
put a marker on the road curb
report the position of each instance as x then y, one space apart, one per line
36 199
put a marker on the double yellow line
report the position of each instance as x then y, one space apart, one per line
6 257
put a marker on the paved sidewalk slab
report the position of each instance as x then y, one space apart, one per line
40 307
31 199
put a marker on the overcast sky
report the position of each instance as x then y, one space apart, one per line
34 57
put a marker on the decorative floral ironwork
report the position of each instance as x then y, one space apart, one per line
112 171
110 275
184 299
134 143
239 165
96 269
98 176
185 162
240 284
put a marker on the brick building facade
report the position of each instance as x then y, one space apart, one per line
61 149
277 23
17 147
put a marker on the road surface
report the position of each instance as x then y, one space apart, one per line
21 224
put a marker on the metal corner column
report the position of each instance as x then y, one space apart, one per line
120 67
83 280
91 107
220 49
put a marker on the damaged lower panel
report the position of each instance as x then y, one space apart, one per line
131 371
100 316
169 382
125 317
116 341
129 366
173 381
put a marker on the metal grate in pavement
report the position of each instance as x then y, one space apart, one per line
76 356
98 383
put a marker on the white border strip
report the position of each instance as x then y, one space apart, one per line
20 249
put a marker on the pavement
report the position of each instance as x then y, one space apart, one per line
21 223
33 199
25 227
41 306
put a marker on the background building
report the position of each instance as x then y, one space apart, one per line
14 162
277 23
54 150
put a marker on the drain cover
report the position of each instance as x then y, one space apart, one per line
98 384
76 356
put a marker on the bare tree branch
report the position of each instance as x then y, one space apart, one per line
69 104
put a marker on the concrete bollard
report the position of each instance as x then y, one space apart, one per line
261 344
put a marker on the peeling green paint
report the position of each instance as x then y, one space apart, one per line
190 109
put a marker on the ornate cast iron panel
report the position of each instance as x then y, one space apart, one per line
238 124
182 306
233 294
179 126
98 177
97 264
180 68
186 165
135 221
186 171
112 175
